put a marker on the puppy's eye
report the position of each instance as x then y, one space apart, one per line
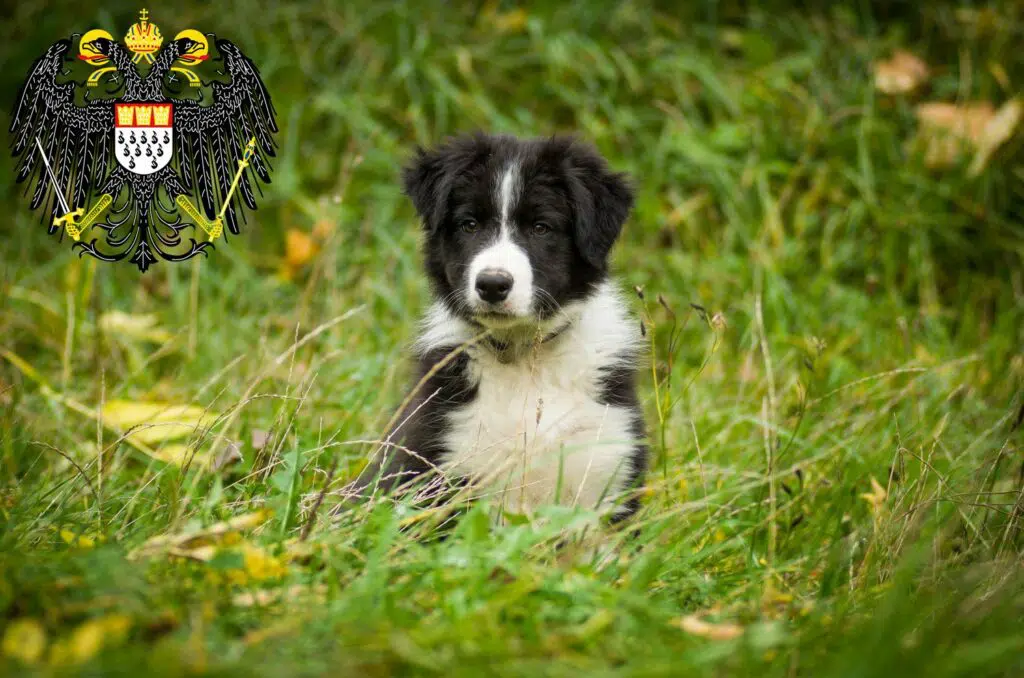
469 225
540 228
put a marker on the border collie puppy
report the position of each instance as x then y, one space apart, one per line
526 362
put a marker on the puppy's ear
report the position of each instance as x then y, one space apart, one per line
601 198
428 178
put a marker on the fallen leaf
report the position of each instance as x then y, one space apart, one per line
89 638
323 229
901 74
177 454
299 248
230 455
510 22
947 131
997 131
876 497
260 565
156 422
464 61
134 326
263 597
259 439
696 626
80 540
24 640
188 542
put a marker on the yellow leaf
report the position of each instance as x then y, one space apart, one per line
188 543
157 422
948 130
178 454
260 565
89 638
464 61
901 74
997 131
696 626
876 497
299 248
24 640
510 22
81 540
134 326
263 597
323 229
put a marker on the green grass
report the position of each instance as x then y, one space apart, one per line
858 316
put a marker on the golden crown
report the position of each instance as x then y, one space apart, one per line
161 115
125 116
143 37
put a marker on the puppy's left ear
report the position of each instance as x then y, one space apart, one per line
602 199
426 180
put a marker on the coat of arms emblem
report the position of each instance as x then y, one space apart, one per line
148 152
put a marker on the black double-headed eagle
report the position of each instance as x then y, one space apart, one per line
147 148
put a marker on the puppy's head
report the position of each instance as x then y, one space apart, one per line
515 229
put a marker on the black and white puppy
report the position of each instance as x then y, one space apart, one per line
527 359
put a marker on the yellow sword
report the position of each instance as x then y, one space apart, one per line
216 227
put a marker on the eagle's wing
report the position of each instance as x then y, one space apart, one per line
211 139
77 139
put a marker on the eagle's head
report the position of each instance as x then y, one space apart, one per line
191 47
100 45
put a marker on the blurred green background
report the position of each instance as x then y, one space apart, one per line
835 299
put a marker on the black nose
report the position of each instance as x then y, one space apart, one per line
493 285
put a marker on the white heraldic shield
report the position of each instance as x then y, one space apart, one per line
143 136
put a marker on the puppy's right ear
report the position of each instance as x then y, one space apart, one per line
429 177
428 185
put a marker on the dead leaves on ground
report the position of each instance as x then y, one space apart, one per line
696 625
153 423
948 132
143 327
233 559
140 423
901 74
196 544
25 640
299 249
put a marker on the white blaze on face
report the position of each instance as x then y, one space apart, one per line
503 254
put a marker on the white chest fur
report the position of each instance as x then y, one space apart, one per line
536 432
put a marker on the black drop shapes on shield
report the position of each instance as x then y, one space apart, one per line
155 138
127 151
120 137
149 151
131 163
153 163
138 151
159 151
144 139
167 138
132 138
